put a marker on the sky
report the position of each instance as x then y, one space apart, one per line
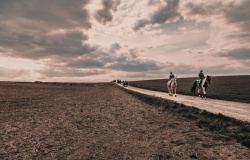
103 40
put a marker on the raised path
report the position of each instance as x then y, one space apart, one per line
237 110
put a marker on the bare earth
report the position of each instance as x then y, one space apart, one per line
232 109
99 121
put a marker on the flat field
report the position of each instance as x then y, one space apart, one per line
102 121
232 88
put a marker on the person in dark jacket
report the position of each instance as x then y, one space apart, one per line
201 77
171 76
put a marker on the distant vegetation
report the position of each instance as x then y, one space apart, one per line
232 88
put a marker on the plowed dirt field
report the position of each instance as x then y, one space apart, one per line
99 121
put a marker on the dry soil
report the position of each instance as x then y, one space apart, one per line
99 121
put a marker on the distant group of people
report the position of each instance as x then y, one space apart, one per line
200 75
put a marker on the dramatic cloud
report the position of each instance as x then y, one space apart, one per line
204 9
46 13
82 40
233 12
35 46
165 13
242 37
238 53
239 14
69 72
114 47
44 29
105 15
86 63
136 66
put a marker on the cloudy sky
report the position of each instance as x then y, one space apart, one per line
102 40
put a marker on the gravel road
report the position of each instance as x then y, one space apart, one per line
240 111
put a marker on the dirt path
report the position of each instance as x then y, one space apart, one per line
236 110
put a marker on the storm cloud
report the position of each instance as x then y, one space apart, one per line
86 63
234 13
203 9
36 46
239 14
105 15
44 28
46 13
135 39
163 14
136 66
71 72
238 53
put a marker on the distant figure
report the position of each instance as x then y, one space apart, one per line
125 83
172 84
201 77
171 76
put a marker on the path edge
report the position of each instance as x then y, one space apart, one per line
230 128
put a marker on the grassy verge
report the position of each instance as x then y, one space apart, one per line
229 128
222 87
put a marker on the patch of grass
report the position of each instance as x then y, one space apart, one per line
191 116
245 128
222 87
162 156
213 124
245 141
